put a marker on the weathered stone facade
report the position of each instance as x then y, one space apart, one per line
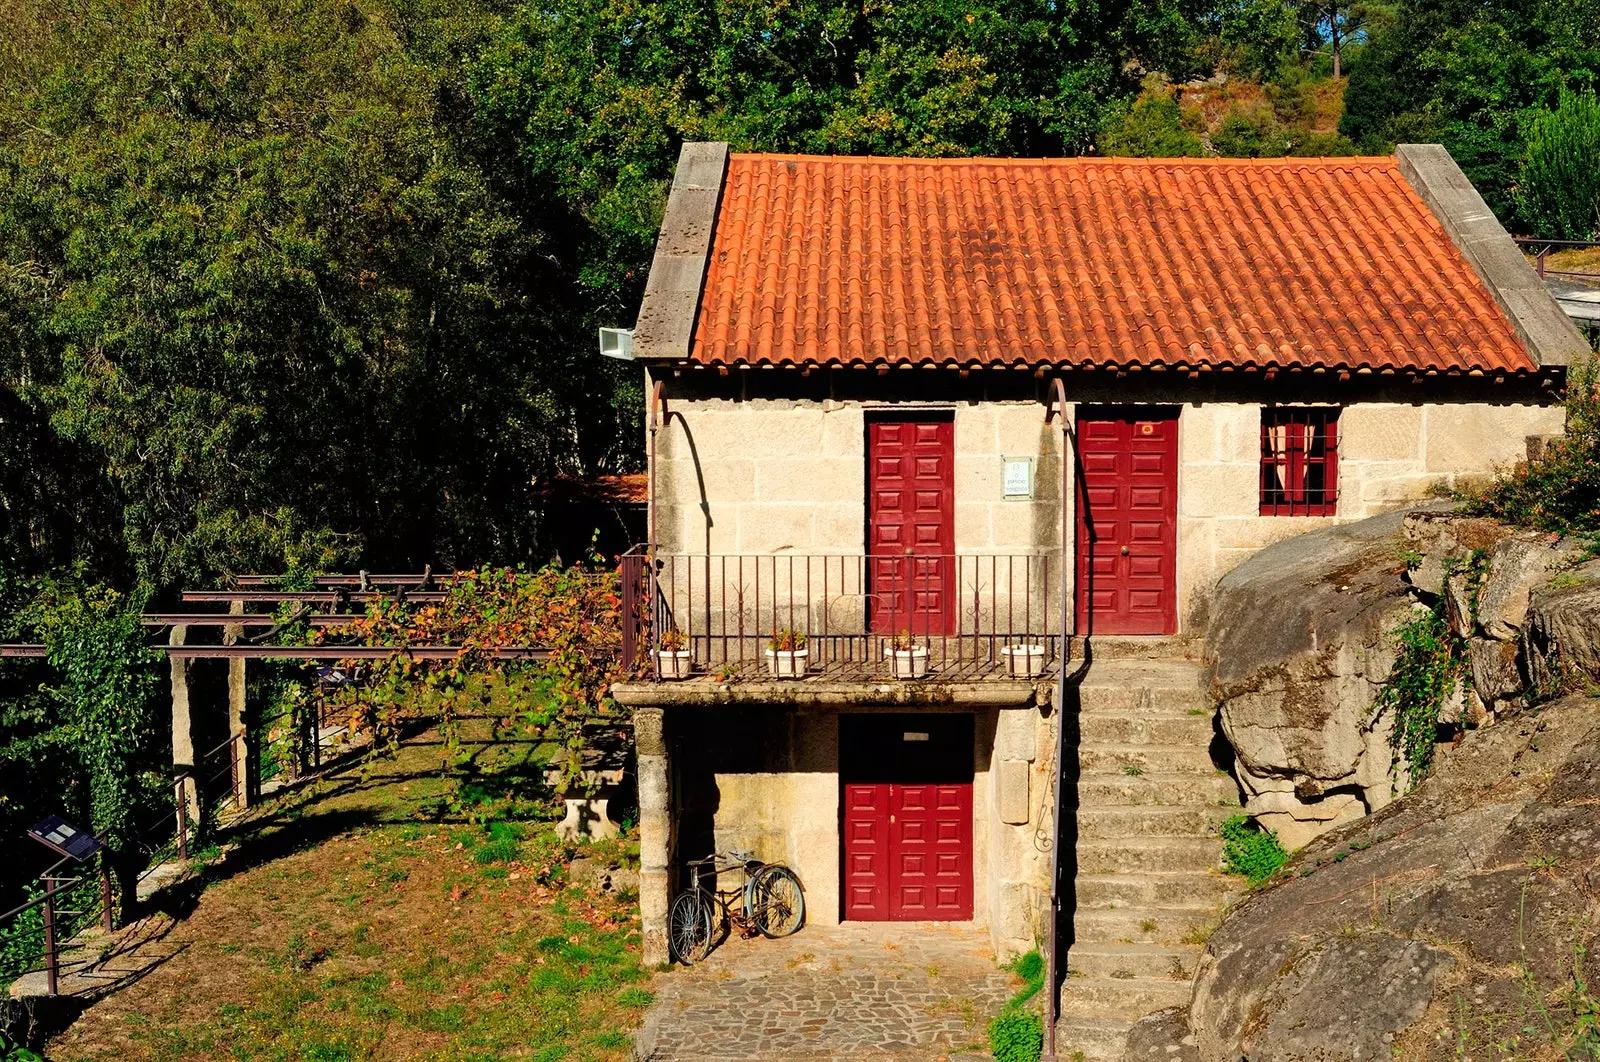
741 472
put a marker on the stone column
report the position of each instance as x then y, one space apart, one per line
655 831
236 728
183 728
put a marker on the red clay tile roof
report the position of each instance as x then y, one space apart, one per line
1332 263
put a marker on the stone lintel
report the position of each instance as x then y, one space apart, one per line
678 270
1544 328
821 693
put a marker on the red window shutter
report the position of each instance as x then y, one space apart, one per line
1299 462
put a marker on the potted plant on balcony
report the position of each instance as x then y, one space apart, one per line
674 657
1023 659
907 659
786 654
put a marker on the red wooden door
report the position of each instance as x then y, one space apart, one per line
907 821
908 852
911 523
1127 521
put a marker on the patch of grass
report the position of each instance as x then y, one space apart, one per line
386 940
1016 1034
1249 851
1133 771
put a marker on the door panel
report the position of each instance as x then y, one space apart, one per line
907 829
1127 521
911 523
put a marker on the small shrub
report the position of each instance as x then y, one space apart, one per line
1558 192
1151 127
787 640
1016 1036
1560 492
1249 851
1421 680
1250 133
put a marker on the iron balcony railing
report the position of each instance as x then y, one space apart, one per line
939 616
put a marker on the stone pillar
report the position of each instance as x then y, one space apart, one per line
183 728
655 832
1014 871
236 724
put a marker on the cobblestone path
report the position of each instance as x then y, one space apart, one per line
865 990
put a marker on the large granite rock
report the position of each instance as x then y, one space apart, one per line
1301 644
1299 648
1465 909
1563 639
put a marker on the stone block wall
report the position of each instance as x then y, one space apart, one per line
1390 454
767 780
789 476
766 475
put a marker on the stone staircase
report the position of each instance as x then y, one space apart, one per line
1149 800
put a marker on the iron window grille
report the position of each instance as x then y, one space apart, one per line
1299 462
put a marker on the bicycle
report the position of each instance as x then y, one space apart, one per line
771 902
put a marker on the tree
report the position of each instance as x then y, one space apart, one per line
1558 193
255 266
1471 74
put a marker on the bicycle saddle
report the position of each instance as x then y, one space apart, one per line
743 855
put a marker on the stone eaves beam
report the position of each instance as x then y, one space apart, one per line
820 693
678 270
1544 328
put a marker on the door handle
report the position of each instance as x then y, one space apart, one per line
891 820
1124 551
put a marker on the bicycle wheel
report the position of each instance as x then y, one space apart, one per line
777 903
689 926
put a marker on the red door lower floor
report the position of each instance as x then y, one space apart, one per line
907 817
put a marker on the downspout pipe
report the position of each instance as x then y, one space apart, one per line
1058 410
650 530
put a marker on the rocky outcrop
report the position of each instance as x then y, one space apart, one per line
1301 644
1300 648
1462 914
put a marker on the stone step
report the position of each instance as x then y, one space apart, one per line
1155 853
1127 999
1128 961
1140 701
1108 729
1159 788
1133 760
1151 820
1141 925
1153 889
1091 1039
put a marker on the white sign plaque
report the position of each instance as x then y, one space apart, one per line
1017 477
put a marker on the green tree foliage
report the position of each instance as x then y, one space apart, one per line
1471 74
1151 126
252 267
1559 190
1250 133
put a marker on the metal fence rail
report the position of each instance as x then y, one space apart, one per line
963 615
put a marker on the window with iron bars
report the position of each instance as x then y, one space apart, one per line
1299 462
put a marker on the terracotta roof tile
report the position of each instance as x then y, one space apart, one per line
1330 263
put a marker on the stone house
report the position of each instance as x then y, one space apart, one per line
999 414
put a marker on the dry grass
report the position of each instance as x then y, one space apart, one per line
1579 260
352 928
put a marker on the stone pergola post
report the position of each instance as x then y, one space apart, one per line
240 757
655 832
183 729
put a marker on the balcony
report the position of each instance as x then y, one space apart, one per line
932 618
